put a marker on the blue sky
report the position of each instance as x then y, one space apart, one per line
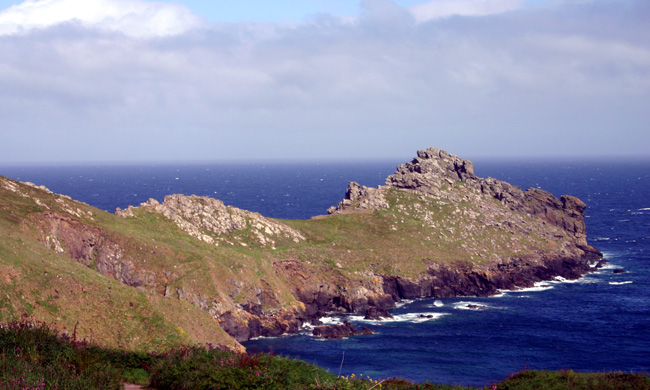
138 80
292 11
260 10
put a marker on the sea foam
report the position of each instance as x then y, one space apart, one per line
466 305
538 286
409 317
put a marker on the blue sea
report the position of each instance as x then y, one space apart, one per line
598 323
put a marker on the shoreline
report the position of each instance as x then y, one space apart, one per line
336 318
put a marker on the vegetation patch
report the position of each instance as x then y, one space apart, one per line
34 357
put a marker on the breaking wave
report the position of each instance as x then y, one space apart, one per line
409 317
465 305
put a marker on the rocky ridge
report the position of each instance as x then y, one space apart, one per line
211 221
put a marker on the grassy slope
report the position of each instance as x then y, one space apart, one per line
43 284
415 230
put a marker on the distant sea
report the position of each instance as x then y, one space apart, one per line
598 323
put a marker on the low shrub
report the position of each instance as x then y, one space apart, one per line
200 368
32 356
569 379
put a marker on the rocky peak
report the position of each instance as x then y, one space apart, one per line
431 170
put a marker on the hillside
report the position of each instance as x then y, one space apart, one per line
193 270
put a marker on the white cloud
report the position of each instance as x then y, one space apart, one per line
384 11
437 9
559 81
131 17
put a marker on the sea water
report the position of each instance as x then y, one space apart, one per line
598 323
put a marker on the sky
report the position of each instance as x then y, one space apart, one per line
136 80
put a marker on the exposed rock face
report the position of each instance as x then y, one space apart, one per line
360 197
447 281
430 171
92 247
207 219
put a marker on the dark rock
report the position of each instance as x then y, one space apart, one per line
376 314
620 271
235 327
602 263
366 331
336 332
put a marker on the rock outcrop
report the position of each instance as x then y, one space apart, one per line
434 170
376 314
360 197
337 332
93 247
210 220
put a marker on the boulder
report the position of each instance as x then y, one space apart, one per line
375 314
337 332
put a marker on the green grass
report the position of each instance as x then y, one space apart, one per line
569 379
34 357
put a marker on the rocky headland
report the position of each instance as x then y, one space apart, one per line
434 229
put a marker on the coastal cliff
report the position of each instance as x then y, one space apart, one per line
434 229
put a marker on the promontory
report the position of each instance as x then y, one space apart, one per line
191 269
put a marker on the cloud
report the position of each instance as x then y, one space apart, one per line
565 80
384 11
437 9
132 17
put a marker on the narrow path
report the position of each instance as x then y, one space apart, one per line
131 386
